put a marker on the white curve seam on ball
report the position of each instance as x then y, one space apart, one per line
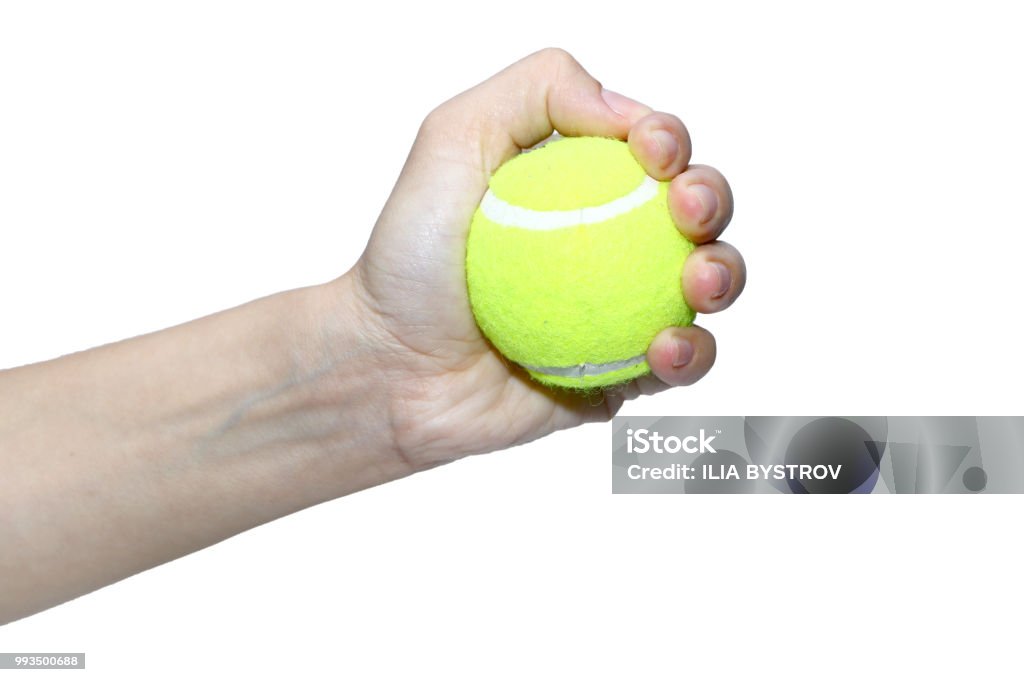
587 369
509 215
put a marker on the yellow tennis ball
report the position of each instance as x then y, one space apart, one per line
573 263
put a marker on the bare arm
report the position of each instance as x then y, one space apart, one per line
122 457
126 456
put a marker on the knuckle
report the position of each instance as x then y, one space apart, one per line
554 55
555 59
437 119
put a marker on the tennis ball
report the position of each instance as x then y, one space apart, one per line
573 263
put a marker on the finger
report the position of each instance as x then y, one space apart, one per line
627 108
713 277
661 143
701 203
679 356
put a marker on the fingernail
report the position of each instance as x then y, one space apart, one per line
668 144
724 280
708 201
620 104
683 353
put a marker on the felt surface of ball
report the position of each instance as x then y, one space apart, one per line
573 263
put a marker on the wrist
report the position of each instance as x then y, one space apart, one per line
411 388
339 388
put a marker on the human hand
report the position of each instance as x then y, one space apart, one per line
180 438
450 393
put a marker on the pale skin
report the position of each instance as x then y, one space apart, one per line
122 457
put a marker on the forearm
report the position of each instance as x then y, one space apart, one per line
122 457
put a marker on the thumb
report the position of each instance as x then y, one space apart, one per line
523 104
481 128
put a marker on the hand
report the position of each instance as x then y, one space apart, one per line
450 392
124 456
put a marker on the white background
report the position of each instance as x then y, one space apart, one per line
160 161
